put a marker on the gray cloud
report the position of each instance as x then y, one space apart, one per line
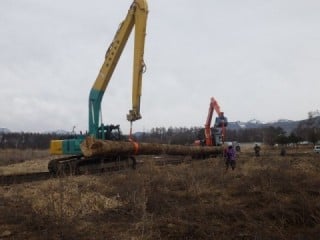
258 58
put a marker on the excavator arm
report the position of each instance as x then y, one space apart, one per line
136 17
221 122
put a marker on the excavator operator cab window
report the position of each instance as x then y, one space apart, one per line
221 122
109 132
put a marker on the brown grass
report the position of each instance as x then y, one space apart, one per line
269 197
12 156
14 161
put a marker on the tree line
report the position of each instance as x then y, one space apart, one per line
268 135
308 130
28 140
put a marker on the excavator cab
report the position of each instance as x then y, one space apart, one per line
221 121
109 132
218 131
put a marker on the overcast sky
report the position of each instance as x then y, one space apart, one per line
259 58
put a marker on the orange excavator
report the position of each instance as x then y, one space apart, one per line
214 136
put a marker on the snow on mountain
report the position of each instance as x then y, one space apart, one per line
284 120
285 124
280 121
255 121
62 132
59 132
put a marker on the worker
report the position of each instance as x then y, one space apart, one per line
257 149
230 156
283 151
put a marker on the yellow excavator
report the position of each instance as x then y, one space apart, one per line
73 160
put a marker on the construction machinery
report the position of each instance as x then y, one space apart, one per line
73 159
214 136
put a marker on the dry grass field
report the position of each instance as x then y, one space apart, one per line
266 197
13 156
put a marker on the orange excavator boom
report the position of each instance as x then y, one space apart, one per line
221 122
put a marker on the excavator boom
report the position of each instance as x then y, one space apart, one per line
207 127
136 17
212 106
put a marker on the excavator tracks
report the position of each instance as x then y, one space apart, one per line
6 180
78 164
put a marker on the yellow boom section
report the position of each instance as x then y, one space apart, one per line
136 17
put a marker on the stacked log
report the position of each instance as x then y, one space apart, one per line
96 147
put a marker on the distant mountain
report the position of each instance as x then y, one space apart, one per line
315 113
62 132
4 130
58 132
254 121
138 134
285 124
243 125
311 122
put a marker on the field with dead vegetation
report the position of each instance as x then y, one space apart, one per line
266 197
